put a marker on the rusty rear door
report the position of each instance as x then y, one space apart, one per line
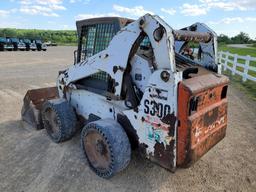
202 113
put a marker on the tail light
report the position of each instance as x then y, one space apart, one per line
193 104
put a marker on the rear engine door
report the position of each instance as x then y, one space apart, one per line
202 106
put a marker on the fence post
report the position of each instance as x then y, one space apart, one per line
234 65
226 61
219 56
246 67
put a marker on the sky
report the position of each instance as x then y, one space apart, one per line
227 17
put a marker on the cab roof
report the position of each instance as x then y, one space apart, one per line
118 21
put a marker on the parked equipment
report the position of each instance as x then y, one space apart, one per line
49 43
2 43
33 46
44 47
21 45
8 45
15 42
27 43
40 45
136 85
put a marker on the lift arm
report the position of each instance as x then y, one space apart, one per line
124 45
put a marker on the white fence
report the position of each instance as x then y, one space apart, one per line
233 61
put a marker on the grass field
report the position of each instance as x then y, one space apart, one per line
249 87
240 51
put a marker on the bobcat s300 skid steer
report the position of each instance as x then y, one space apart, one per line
136 85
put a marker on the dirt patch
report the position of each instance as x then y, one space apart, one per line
29 161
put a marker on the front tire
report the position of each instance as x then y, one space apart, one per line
106 147
59 120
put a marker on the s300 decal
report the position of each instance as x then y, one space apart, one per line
156 109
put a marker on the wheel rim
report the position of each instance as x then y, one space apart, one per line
97 150
52 122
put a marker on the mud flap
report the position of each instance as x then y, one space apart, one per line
32 104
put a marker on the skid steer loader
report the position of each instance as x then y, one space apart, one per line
136 85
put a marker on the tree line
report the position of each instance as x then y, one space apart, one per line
241 38
56 36
70 36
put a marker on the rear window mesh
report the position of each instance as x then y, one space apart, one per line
97 38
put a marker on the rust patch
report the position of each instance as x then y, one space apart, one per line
207 144
32 104
163 155
210 117
182 35
170 119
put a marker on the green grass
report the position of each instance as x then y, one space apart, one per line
240 51
249 87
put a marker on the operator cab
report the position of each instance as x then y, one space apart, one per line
94 36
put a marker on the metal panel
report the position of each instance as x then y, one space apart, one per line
32 104
202 114
155 121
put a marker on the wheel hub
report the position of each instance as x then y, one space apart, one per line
97 150
100 147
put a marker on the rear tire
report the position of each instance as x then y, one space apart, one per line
59 120
106 147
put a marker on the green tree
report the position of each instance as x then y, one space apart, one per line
223 39
241 38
